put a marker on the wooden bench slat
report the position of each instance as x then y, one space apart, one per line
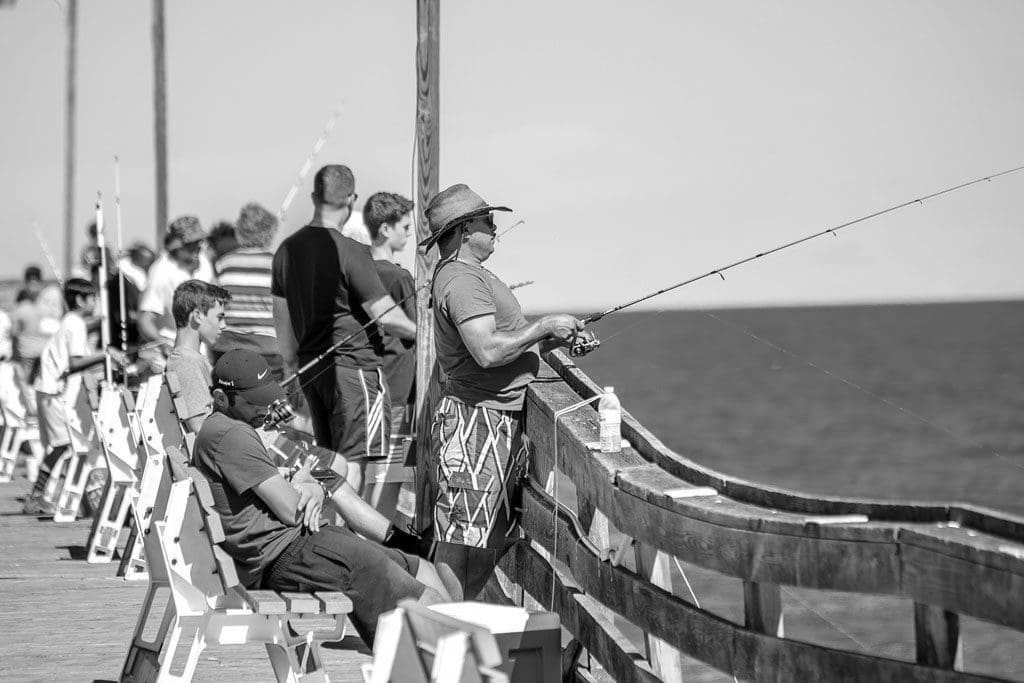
266 602
334 602
303 603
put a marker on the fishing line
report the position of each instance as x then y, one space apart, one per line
828 621
833 231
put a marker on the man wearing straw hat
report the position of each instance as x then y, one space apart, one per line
489 354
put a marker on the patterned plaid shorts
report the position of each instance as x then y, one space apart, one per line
479 458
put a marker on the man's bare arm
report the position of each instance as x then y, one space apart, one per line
395 321
284 499
493 348
148 329
286 342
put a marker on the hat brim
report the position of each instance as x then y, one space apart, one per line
483 210
263 395
178 243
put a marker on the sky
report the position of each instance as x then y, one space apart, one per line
642 143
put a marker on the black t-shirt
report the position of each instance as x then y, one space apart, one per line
397 354
326 278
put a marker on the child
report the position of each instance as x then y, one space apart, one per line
64 357
198 309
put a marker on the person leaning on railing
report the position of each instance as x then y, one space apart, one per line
489 354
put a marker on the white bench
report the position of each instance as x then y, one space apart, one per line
207 602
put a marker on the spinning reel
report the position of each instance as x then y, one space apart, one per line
278 413
581 346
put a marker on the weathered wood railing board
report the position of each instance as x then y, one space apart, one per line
653 450
726 646
766 537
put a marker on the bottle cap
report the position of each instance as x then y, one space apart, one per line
609 390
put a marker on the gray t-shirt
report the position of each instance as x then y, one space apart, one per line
232 457
195 375
462 292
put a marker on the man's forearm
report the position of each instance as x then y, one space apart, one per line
505 347
147 327
397 324
286 342
359 515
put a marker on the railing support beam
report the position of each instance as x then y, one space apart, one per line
937 634
762 608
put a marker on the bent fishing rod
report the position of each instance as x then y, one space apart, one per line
337 345
593 318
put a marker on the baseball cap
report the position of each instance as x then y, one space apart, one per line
247 374
333 184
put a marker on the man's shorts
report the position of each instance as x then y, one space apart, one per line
374 578
478 457
351 411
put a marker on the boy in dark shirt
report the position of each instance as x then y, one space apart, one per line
388 219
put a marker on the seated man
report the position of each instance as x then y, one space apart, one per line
272 526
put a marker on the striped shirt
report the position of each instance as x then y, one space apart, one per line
245 273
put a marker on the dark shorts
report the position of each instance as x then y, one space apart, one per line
374 578
351 411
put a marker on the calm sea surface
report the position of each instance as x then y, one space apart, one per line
908 402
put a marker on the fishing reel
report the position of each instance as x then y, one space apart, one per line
581 345
278 413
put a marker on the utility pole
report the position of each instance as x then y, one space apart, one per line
160 120
428 142
71 16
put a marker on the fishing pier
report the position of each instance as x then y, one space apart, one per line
660 569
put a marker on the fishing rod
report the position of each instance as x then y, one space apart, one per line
121 307
593 318
104 294
337 345
48 255
308 164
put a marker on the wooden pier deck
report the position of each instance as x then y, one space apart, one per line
62 619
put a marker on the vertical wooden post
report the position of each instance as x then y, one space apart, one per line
937 635
657 568
69 136
428 143
160 120
762 608
428 100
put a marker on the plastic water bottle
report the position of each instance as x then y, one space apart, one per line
610 411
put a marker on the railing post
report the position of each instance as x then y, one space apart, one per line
937 634
762 608
656 566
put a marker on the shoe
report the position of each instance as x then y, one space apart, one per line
39 507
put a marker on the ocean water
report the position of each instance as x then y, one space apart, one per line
904 402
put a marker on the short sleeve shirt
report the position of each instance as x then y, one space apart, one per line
232 457
397 355
462 292
164 277
326 279
195 375
70 341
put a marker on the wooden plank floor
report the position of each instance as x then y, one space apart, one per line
62 619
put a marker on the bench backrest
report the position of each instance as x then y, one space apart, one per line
415 644
187 541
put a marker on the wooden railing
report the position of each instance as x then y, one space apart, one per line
950 560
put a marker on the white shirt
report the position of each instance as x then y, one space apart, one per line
132 272
164 277
355 228
70 340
